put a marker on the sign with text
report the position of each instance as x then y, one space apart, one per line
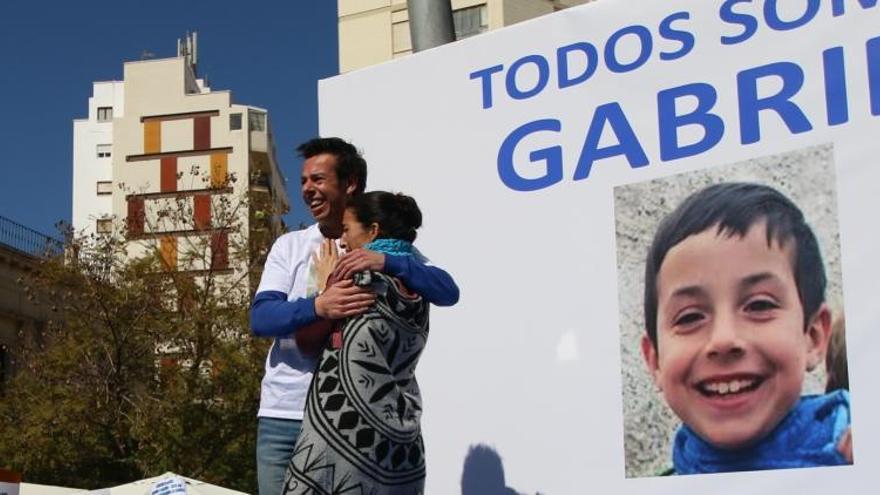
658 215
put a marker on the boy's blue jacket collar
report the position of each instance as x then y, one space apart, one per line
806 437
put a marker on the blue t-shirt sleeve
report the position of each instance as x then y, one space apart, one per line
432 283
272 315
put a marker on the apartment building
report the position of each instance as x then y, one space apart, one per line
171 163
374 31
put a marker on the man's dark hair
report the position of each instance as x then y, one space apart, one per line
734 208
397 215
350 165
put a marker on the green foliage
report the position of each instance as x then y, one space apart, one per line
141 371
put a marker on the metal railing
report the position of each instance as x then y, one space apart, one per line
28 241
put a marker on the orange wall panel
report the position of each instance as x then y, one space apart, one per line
168 251
152 136
219 168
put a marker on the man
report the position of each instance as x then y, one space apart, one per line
288 300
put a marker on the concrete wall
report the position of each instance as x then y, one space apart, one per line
521 10
364 38
18 315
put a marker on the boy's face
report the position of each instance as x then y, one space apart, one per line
731 347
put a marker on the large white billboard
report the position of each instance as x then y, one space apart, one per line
545 158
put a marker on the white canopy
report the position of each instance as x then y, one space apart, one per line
35 489
163 484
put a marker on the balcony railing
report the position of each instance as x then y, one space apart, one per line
16 236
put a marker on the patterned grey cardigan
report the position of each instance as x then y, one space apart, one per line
361 432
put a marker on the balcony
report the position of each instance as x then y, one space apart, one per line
17 237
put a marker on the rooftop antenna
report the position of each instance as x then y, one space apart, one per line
188 48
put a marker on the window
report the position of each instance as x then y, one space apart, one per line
257 121
105 187
234 121
104 150
105 114
104 226
470 21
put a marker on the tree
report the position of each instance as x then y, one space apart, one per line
144 368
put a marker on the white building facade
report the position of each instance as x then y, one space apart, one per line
92 158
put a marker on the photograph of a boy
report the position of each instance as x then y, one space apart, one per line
735 316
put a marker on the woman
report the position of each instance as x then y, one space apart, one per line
361 431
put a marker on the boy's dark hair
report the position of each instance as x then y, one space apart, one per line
735 207
350 165
397 215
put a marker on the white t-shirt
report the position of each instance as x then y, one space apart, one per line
289 269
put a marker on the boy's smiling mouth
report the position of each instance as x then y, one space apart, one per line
729 385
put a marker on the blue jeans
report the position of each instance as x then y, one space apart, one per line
275 441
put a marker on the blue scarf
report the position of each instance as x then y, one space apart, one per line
395 247
806 437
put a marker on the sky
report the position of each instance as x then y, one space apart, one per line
269 54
